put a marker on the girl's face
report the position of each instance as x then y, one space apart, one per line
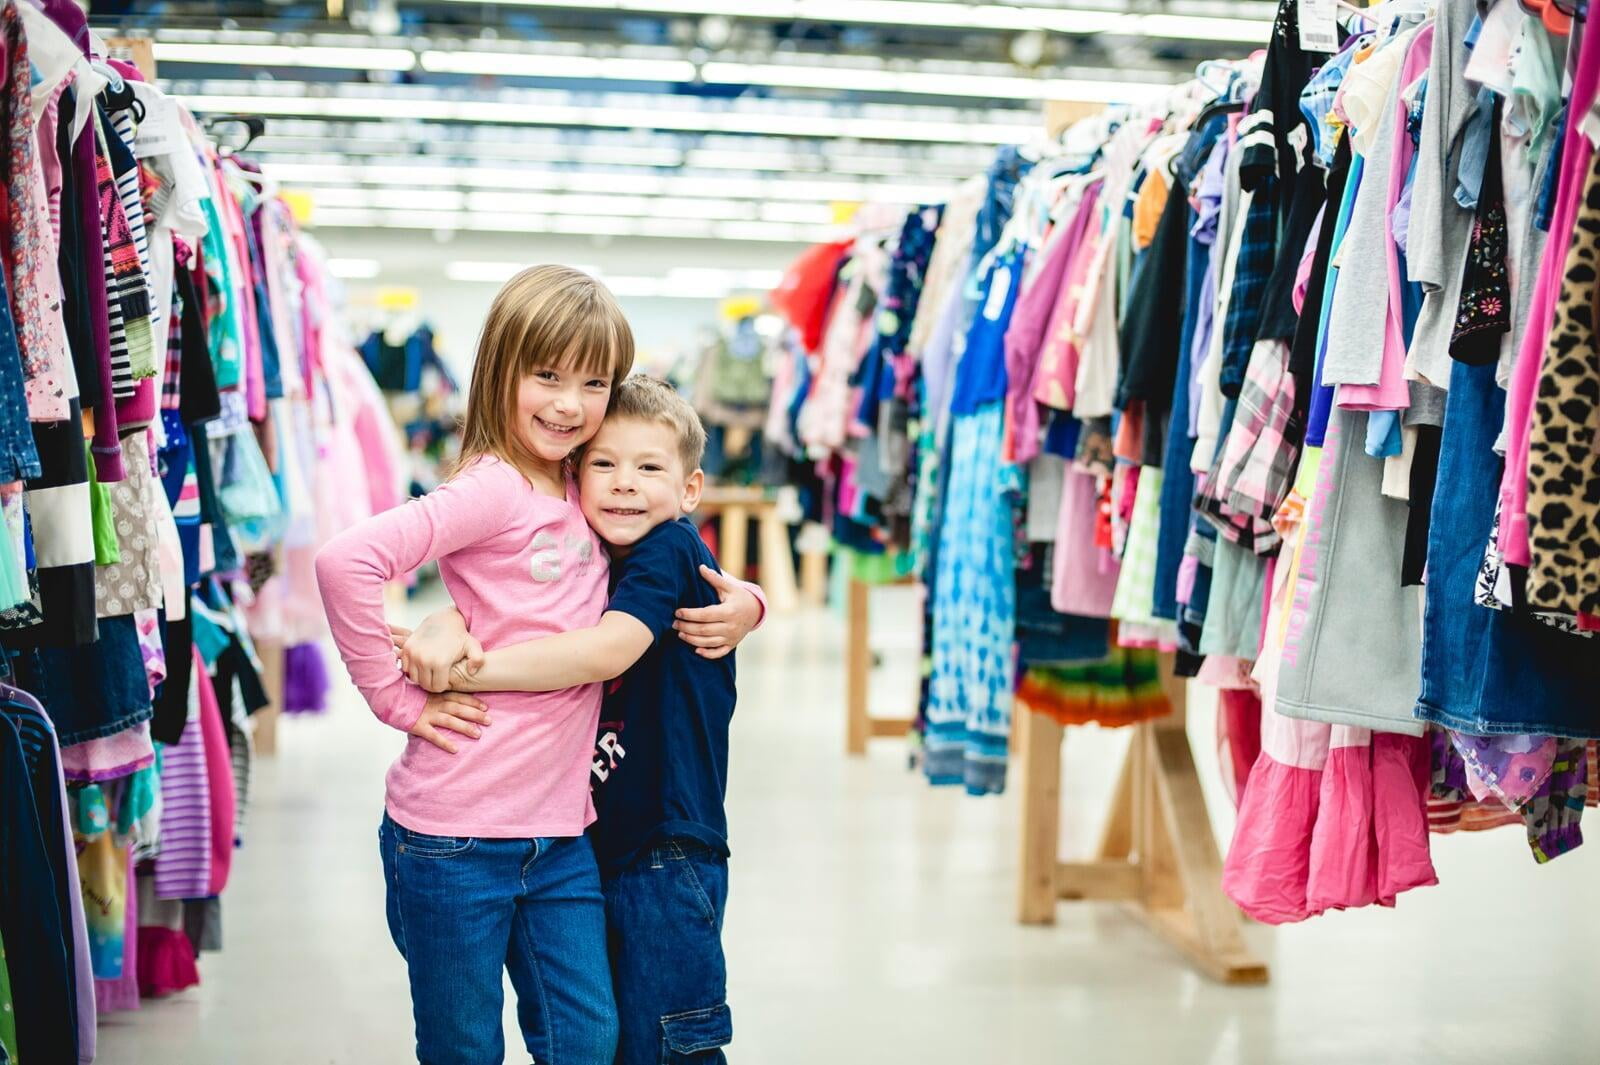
559 410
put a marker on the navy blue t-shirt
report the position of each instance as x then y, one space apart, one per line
661 761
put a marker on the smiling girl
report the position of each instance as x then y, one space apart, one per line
485 860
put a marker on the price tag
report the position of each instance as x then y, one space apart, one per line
1319 29
999 290
161 132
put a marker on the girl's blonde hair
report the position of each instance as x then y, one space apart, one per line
546 317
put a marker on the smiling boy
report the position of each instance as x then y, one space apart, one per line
662 755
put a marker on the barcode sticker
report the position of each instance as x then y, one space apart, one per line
1319 29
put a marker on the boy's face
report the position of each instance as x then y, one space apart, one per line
632 479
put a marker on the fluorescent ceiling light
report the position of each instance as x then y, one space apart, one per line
823 126
820 76
927 83
663 209
313 141
498 273
997 17
688 229
536 65
677 283
299 137
354 269
282 55
770 190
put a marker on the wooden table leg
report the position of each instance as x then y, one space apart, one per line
265 720
813 578
858 669
777 561
1039 742
734 553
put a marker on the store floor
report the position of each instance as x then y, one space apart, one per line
871 919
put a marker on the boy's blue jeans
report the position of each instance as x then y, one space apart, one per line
462 909
664 923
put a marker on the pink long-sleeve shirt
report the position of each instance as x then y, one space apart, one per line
520 565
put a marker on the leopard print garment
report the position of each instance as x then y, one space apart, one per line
1563 458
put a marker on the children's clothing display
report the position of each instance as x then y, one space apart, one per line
184 426
1292 375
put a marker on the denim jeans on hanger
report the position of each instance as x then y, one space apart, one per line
1486 671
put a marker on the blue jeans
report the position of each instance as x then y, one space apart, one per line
462 909
664 923
1489 672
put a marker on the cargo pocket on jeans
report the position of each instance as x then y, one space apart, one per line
692 1037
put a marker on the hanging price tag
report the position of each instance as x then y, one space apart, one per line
999 290
1319 29
161 132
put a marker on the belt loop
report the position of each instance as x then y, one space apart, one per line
656 861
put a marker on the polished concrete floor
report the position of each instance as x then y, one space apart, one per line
871 919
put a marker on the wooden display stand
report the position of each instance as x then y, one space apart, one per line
266 719
737 506
140 51
860 725
1157 852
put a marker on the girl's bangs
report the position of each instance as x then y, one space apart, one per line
594 350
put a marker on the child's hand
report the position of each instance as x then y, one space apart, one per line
428 652
464 674
451 712
714 631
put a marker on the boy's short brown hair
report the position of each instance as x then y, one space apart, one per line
648 399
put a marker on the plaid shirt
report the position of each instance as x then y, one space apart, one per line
1257 253
1254 468
1259 460
172 379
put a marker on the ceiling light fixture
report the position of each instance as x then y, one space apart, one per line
282 55
537 65
977 86
960 16
574 225
797 192
532 64
354 269
821 126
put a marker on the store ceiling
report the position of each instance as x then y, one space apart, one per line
751 120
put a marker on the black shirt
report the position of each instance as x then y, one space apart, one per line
661 762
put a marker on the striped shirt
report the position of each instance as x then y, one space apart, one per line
183 868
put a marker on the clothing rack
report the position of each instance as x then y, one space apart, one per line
1156 853
860 725
140 51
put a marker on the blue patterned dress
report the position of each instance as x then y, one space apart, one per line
974 590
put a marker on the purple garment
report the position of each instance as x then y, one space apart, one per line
1512 768
1400 220
939 357
305 679
1553 816
106 447
183 868
1208 208
1022 367
1025 336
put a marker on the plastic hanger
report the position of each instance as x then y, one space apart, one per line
1555 18
252 125
1210 66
